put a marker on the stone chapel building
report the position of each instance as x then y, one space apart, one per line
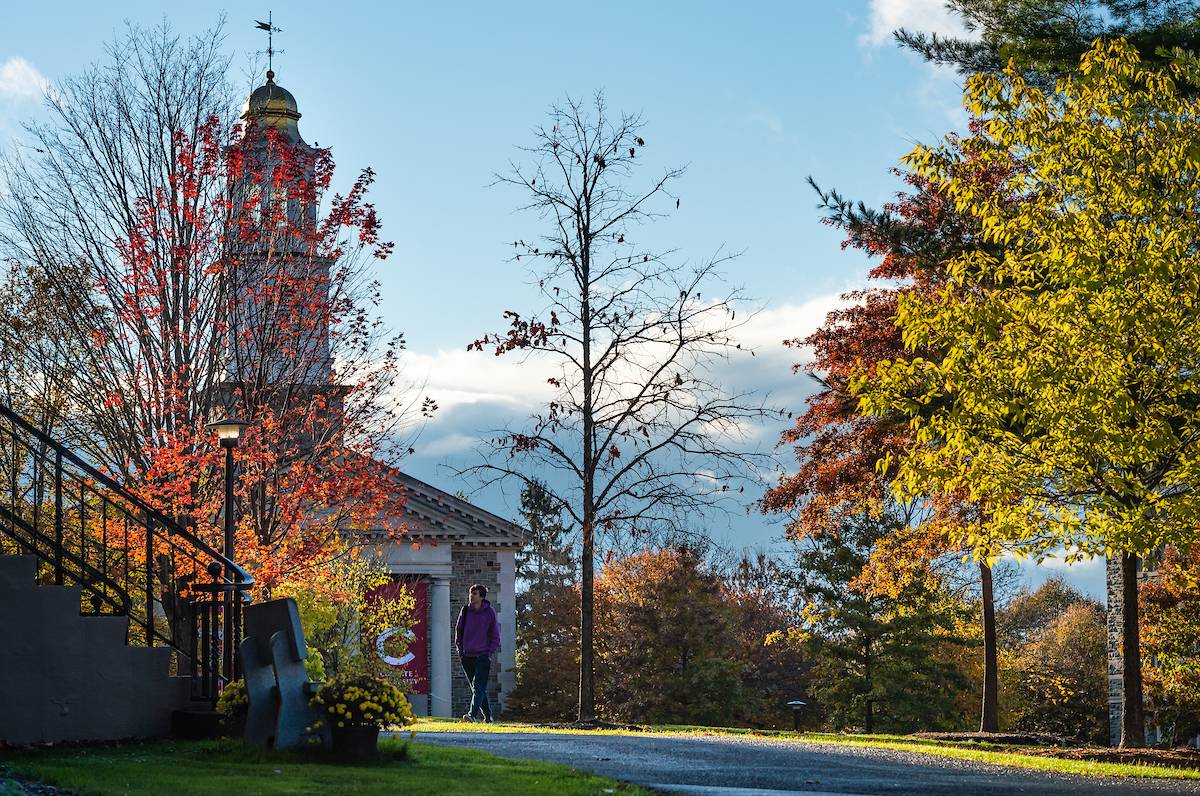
457 543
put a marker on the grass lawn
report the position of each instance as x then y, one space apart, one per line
1022 757
209 768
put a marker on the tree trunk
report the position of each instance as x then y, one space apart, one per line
989 720
869 722
1133 719
587 694
587 688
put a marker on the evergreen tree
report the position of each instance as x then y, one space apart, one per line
878 665
546 559
547 654
1046 38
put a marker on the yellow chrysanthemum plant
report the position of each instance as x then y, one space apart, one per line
363 701
233 704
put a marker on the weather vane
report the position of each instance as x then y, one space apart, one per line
271 30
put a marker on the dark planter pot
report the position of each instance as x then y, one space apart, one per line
355 740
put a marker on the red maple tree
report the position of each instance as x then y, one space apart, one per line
838 449
846 460
238 296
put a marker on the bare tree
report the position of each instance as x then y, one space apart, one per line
36 360
640 435
201 266
86 178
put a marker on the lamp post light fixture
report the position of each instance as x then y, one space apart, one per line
229 431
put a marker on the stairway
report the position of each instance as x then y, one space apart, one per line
102 597
69 677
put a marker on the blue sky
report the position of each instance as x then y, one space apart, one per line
753 97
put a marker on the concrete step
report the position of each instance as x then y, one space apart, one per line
17 572
51 602
105 630
67 677
86 692
153 662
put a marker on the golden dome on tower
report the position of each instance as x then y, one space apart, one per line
273 105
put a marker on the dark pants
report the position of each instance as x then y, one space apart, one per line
477 668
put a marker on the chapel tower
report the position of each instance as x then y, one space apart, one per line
456 544
281 277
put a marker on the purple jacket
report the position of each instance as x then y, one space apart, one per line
477 632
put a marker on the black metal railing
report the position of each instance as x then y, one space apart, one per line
128 559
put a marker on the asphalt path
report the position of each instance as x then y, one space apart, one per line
740 766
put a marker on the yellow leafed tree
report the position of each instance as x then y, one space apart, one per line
1067 397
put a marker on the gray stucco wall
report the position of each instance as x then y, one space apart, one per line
66 677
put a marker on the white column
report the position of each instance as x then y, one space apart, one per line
439 639
508 623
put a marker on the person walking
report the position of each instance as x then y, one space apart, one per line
477 636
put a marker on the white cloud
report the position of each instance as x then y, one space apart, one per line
477 392
19 79
459 377
767 329
927 16
941 87
449 444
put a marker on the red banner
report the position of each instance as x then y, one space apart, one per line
414 662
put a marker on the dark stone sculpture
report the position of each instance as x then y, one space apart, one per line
277 685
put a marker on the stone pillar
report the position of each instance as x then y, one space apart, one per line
439 644
507 582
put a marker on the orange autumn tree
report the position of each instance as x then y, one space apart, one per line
667 643
1170 632
211 270
844 456
838 449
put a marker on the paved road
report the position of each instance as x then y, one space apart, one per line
738 766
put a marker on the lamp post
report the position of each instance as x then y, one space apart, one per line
229 431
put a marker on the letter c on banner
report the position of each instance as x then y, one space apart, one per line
392 660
